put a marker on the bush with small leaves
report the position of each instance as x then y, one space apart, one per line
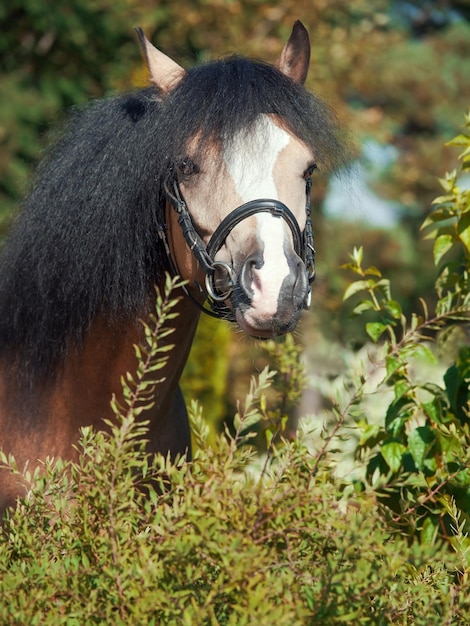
124 538
419 458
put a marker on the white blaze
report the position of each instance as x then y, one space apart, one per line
250 163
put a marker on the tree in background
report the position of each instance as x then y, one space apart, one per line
397 72
52 56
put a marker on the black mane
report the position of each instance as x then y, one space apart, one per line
86 241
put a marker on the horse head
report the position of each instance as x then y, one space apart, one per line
238 216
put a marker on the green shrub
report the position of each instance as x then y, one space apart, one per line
122 538
419 458
215 544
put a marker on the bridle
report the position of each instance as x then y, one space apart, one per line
205 255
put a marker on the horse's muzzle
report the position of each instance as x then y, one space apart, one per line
259 311
222 282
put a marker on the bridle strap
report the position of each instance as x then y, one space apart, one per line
263 205
307 240
192 237
162 232
197 247
303 243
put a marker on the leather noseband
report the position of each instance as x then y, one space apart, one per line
303 244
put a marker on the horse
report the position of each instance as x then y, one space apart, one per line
206 174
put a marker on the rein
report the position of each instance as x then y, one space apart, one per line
303 245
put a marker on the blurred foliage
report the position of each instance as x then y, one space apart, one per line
394 74
205 375
54 55
397 72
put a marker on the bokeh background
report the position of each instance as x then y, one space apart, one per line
396 72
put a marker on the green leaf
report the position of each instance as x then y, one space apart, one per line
362 307
371 434
442 214
448 183
373 271
401 388
420 442
422 351
433 410
357 255
464 231
395 309
358 285
429 531
392 364
393 453
375 330
442 245
459 140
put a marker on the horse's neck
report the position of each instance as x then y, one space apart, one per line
82 393
93 374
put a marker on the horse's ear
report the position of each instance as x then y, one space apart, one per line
164 72
295 56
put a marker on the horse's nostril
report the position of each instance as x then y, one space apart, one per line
248 277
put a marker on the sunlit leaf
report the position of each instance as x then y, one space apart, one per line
422 351
394 308
459 140
429 530
363 306
420 441
375 330
393 454
373 271
358 285
442 214
392 364
442 245
464 231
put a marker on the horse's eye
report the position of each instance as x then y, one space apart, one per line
309 171
187 168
